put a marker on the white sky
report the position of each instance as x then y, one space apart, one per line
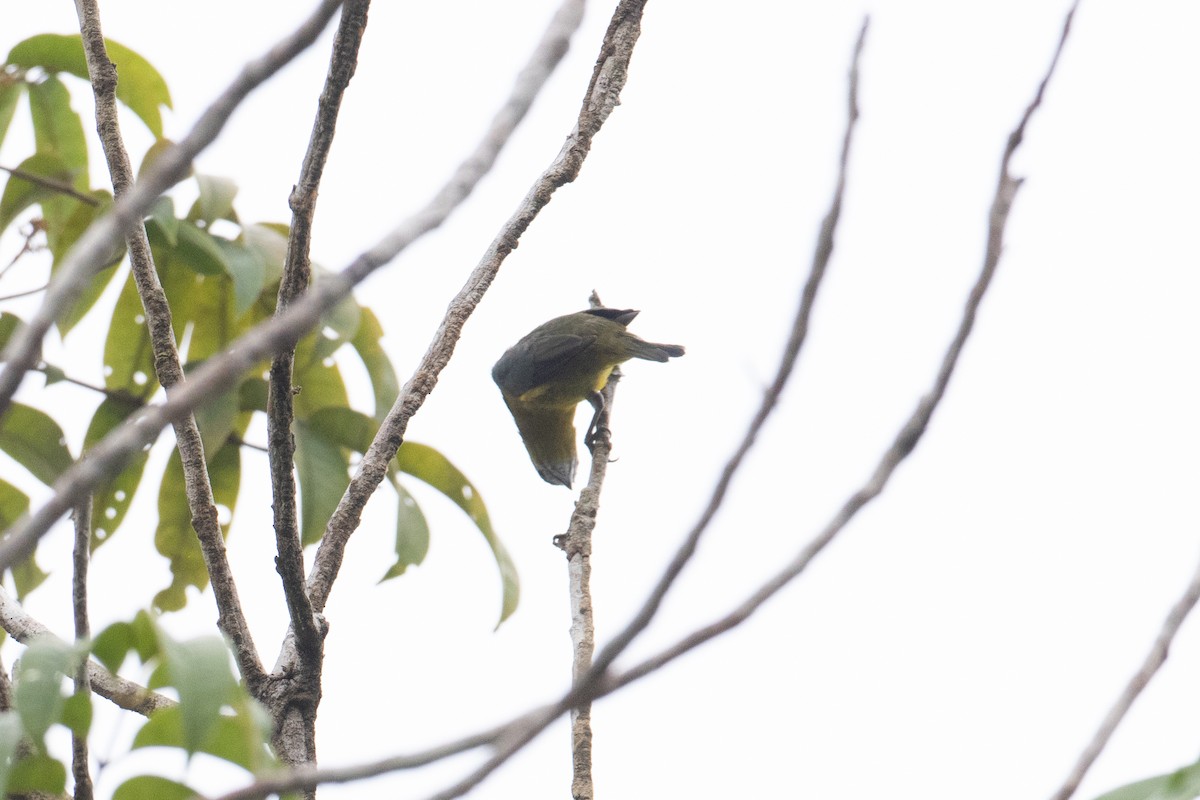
969 630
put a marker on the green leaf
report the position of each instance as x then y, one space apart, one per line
13 504
353 430
113 643
319 380
323 472
412 533
38 687
269 240
217 417
57 129
366 343
422 461
128 357
215 200
77 713
10 738
230 738
203 302
199 670
252 395
112 497
38 773
139 86
9 323
162 216
338 325
175 538
249 273
152 787
10 93
19 194
61 243
199 251
53 374
34 440
1182 784
344 427
27 576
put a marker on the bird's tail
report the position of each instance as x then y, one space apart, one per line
652 351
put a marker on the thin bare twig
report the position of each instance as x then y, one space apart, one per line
122 692
909 434
167 366
824 250
1150 666
296 276
83 685
373 466
57 186
577 544
171 167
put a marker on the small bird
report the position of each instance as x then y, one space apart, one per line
557 365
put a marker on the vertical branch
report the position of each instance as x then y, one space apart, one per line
296 275
296 713
373 467
820 261
103 75
577 544
83 684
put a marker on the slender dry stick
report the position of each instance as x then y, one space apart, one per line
56 186
577 545
296 275
171 167
122 692
167 366
824 250
373 466
909 434
220 372
80 556
1150 666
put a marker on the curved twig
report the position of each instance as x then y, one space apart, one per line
373 466
122 692
167 366
297 273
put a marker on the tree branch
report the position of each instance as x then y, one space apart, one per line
59 187
203 508
373 466
122 692
577 544
296 276
172 166
909 434
83 685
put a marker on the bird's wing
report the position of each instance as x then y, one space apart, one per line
531 365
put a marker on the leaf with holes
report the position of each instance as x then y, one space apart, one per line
174 536
112 497
128 358
34 440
